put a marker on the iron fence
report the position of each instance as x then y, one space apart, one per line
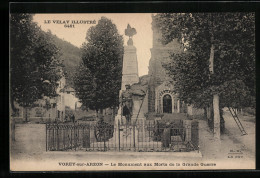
144 135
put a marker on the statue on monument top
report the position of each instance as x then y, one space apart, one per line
130 32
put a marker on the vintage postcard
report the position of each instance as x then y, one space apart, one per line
132 91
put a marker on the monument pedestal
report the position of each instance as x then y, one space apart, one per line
138 115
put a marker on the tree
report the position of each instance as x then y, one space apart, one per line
34 65
98 78
219 61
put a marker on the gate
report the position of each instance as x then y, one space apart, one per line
140 136
61 137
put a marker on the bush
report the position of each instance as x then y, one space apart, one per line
249 110
161 126
87 118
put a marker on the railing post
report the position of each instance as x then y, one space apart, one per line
58 140
149 130
71 137
84 139
89 141
46 136
118 136
75 140
105 140
53 137
63 138
134 135
78 140
143 128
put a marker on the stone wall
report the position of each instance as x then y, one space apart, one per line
159 55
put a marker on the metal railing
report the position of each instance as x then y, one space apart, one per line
143 135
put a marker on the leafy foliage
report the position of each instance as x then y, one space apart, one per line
35 68
98 78
233 38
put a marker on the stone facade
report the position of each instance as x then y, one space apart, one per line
39 113
161 84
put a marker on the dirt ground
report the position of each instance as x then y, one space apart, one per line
234 151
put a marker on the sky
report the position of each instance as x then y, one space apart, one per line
76 36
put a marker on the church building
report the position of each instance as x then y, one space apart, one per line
161 98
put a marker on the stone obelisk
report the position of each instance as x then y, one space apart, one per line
130 66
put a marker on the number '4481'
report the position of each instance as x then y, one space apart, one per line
69 26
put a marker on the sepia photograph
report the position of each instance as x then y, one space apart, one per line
132 91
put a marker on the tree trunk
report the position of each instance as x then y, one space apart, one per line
216 116
112 109
12 104
216 127
205 113
13 129
26 114
100 115
222 121
101 112
12 121
96 113
210 114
